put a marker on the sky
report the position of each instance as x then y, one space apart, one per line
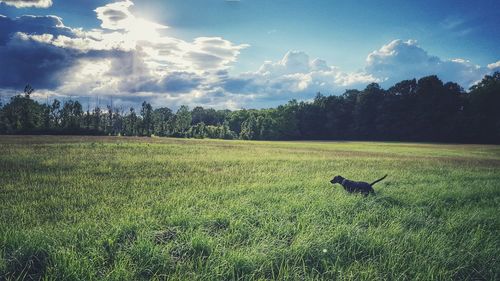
238 54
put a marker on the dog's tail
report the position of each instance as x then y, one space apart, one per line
378 180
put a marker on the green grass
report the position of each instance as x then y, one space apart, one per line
111 208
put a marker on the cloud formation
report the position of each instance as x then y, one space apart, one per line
400 60
131 59
28 3
295 76
127 56
494 66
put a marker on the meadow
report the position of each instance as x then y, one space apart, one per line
116 208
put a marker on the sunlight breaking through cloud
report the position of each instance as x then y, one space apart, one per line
130 57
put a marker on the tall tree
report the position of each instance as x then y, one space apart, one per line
367 109
22 113
249 129
182 121
162 119
71 115
147 119
484 110
96 113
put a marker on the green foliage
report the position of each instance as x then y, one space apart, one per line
162 120
182 121
147 119
411 110
22 114
114 208
249 129
484 114
71 115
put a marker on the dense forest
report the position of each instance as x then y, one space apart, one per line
411 110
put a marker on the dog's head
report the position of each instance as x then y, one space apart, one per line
336 179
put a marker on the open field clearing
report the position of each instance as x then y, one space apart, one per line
115 208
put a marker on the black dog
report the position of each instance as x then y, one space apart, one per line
356 186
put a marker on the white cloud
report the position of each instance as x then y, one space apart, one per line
212 53
401 60
494 66
296 65
117 16
295 76
28 3
292 62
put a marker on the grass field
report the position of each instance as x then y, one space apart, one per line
114 208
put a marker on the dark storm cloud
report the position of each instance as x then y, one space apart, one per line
34 25
27 61
24 60
180 82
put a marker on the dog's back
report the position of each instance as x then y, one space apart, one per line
357 186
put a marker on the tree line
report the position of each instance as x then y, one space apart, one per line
412 110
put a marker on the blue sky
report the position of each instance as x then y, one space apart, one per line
233 54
